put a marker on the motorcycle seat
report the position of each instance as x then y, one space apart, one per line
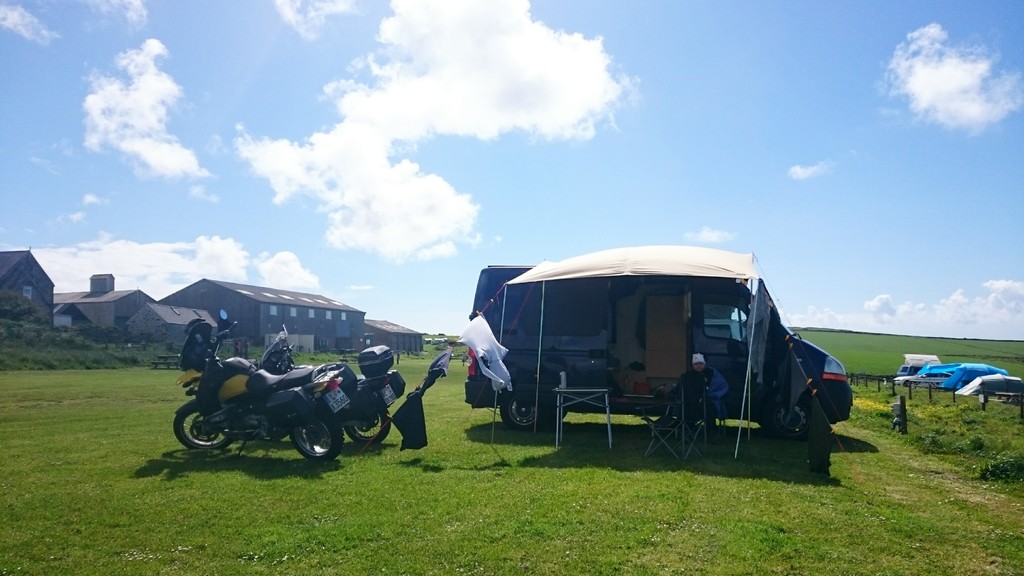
262 383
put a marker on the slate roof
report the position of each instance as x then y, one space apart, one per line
9 259
85 297
385 326
180 314
278 296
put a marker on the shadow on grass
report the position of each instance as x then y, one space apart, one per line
261 463
432 468
585 445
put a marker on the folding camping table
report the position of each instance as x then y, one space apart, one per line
568 396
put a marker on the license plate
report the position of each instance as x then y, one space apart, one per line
388 394
336 399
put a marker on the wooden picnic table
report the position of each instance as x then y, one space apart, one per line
165 361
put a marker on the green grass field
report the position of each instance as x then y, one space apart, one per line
883 353
94 482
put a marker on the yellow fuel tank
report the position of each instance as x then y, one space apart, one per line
234 386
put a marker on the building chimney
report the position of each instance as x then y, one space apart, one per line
101 283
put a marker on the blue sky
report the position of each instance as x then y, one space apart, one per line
870 154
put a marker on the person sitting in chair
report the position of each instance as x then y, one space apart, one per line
704 377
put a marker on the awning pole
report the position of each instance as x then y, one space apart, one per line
540 340
745 405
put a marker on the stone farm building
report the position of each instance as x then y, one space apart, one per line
398 338
313 322
162 323
100 306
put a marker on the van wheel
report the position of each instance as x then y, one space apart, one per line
515 414
781 422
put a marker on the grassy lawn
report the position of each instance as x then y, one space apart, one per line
94 482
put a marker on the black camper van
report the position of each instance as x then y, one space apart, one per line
635 334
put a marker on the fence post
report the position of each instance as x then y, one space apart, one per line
899 410
929 392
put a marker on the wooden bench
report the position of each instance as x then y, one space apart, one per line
165 361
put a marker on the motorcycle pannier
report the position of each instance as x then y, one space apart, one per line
290 407
376 361
396 383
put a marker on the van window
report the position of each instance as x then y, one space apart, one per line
571 309
724 321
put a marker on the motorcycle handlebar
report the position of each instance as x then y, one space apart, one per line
224 333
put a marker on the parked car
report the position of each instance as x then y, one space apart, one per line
933 379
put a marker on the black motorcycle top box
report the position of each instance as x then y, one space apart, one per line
376 361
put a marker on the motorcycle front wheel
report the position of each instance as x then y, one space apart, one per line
189 430
371 431
319 440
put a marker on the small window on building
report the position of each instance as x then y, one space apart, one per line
293 311
343 316
327 314
26 291
273 310
312 313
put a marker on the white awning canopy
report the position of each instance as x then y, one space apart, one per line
646 261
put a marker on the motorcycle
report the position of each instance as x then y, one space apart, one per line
315 406
236 401
362 401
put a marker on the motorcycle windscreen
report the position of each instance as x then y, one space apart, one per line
197 344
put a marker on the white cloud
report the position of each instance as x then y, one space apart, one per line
24 24
134 11
445 67
161 268
998 314
73 218
799 172
283 270
708 235
132 117
881 307
308 17
157 268
90 199
199 192
45 164
953 86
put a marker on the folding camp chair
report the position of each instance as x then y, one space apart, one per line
666 430
694 416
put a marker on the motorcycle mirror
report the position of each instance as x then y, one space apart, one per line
223 323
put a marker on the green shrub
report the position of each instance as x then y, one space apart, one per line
14 306
1005 467
933 444
975 444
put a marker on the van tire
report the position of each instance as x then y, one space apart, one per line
515 414
775 422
